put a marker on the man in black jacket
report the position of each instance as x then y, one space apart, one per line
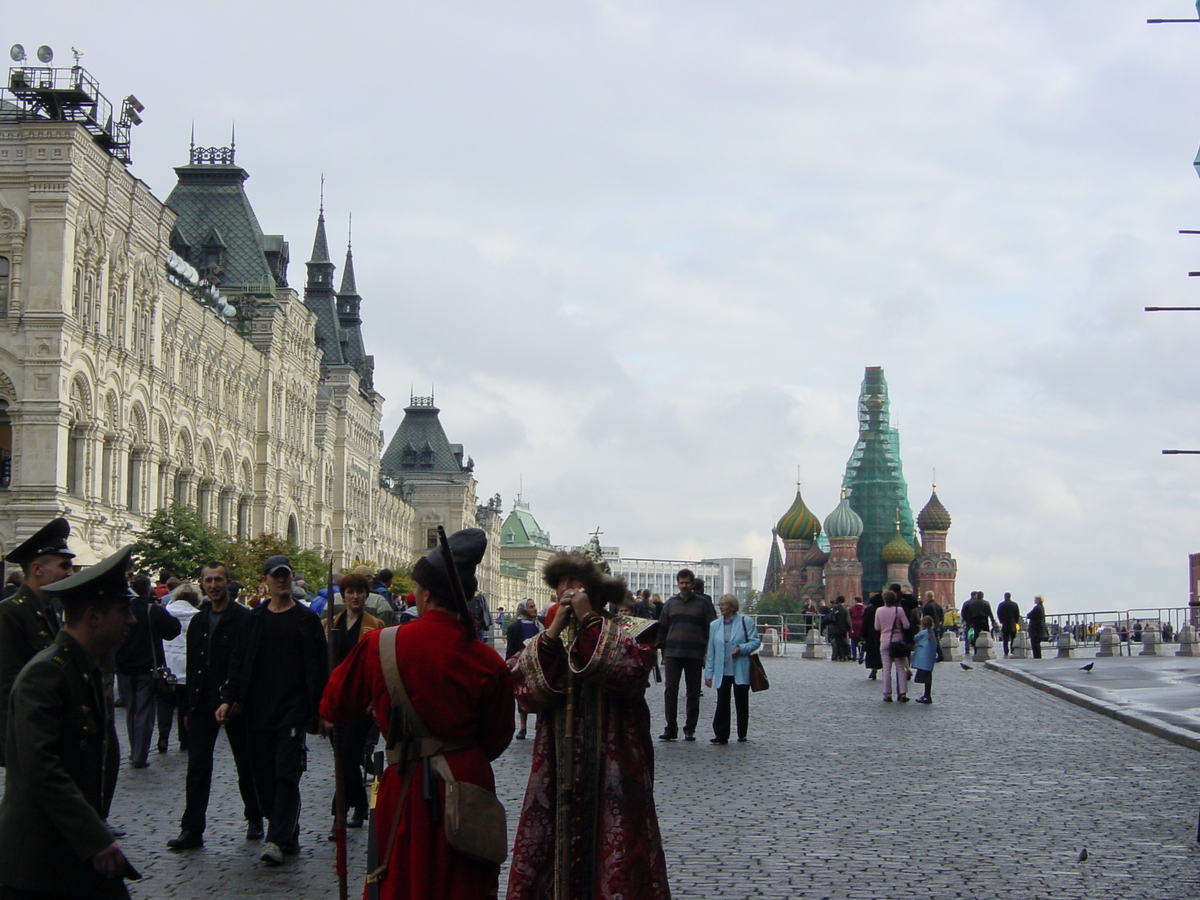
1009 615
276 678
211 636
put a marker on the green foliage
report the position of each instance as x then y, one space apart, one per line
246 556
178 540
750 604
778 603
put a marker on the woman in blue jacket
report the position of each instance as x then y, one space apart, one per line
731 640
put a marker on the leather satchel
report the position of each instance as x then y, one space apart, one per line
474 816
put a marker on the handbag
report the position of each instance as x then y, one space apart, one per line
162 680
898 649
758 672
474 817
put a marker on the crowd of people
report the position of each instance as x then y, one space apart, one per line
190 658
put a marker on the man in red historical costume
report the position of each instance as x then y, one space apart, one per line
462 693
588 828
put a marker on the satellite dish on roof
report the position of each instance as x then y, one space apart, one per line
45 54
17 53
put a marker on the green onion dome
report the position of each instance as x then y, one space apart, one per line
798 523
844 522
897 550
934 516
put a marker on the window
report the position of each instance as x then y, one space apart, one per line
431 538
75 460
5 274
133 482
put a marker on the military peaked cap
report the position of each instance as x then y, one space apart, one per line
106 580
51 538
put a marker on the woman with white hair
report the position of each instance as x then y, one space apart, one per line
731 640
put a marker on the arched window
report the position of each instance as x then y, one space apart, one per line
75 460
5 288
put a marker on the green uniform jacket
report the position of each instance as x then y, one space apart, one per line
57 743
28 625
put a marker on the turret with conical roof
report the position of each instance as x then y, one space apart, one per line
773 580
319 297
349 305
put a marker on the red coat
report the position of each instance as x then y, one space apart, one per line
459 688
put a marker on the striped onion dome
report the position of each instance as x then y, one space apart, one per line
934 516
897 550
798 523
844 522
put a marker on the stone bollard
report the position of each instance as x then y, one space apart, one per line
951 647
984 647
1151 642
770 643
814 646
1110 644
1066 645
1019 648
1189 642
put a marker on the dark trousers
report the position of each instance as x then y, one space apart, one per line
168 705
351 744
277 760
203 729
741 699
1036 645
1006 638
841 646
691 670
139 714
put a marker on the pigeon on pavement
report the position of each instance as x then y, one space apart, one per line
1087 668
965 666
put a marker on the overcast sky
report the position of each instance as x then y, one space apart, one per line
643 250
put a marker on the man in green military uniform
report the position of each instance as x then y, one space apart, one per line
28 623
54 843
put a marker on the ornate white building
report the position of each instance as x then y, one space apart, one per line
152 352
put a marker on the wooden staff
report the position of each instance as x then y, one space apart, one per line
566 778
335 740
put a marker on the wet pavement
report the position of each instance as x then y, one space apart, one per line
990 792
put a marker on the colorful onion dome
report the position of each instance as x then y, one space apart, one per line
844 522
934 516
897 550
798 523
815 556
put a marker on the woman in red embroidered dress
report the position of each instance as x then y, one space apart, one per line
588 828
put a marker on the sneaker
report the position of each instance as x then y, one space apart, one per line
254 830
272 854
187 840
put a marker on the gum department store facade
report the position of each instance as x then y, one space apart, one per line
152 352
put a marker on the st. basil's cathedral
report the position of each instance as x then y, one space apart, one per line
869 540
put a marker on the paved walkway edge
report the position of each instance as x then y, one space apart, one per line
1136 720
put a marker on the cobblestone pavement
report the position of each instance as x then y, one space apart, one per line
990 792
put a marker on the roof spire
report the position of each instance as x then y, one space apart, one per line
320 252
348 288
232 140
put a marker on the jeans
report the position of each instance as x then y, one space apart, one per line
203 729
741 699
691 670
277 760
854 654
139 714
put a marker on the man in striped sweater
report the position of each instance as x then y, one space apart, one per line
683 640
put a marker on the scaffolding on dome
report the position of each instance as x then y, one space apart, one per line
874 479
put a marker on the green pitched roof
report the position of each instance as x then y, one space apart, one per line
420 446
214 214
521 529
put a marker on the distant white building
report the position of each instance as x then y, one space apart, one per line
727 575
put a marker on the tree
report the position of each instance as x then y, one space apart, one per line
778 603
750 606
246 556
179 541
